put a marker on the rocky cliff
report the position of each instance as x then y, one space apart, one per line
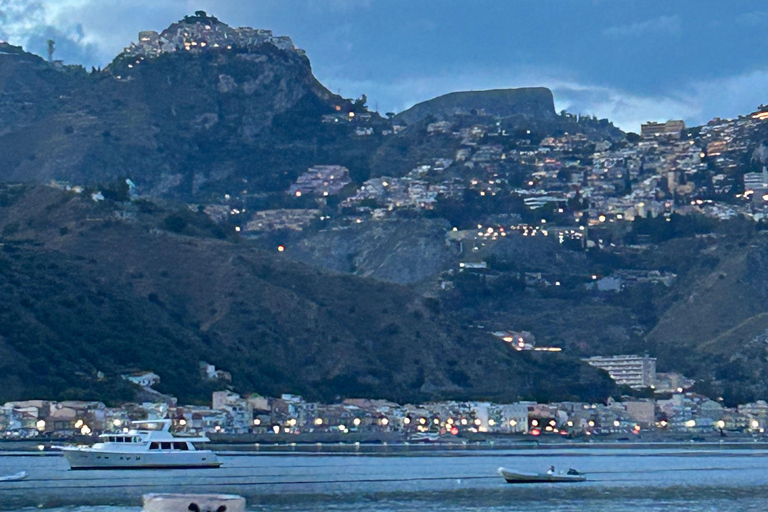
179 123
532 102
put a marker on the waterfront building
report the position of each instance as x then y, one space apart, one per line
629 370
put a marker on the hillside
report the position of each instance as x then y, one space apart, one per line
181 124
111 287
717 325
141 207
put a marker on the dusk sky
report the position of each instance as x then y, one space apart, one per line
629 61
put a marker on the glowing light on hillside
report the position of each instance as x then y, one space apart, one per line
280 248
298 193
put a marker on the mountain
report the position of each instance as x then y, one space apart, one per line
531 102
118 286
184 121
715 327
141 207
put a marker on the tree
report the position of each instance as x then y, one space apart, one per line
360 103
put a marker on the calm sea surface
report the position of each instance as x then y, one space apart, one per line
440 480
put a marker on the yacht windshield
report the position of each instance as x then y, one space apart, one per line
149 426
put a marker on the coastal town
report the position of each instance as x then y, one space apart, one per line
671 408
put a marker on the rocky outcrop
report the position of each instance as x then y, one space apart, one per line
403 252
534 102
179 124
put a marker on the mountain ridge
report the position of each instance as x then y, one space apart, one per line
538 102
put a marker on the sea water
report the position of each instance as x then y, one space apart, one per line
439 480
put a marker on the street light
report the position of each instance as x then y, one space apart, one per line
40 425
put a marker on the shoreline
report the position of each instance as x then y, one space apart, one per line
44 448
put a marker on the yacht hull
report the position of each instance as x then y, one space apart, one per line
99 459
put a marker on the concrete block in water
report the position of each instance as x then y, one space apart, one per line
193 503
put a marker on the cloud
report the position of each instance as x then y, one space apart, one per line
696 102
669 25
754 18
340 5
626 110
31 23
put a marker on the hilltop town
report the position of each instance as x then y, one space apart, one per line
198 32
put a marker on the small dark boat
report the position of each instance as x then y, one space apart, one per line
523 477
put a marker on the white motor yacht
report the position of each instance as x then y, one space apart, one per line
148 445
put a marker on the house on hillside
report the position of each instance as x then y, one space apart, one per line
143 379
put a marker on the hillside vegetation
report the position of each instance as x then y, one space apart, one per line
83 291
